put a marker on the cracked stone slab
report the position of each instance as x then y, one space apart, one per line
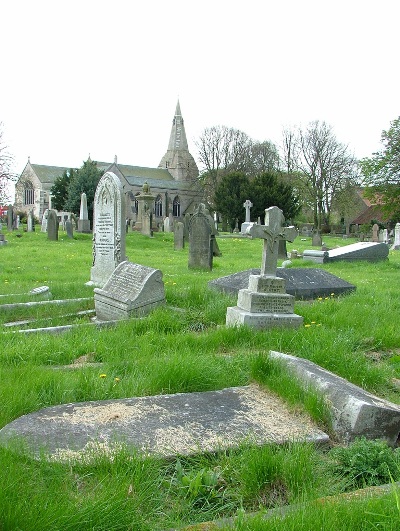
167 425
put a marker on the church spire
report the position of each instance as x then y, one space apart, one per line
177 160
177 139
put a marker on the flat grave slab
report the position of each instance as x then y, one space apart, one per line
183 423
303 283
369 251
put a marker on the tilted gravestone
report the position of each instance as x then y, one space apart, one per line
83 221
179 239
108 228
200 242
132 290
265 303
52 225
369 251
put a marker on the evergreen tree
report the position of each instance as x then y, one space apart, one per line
59 190
85 179
230 194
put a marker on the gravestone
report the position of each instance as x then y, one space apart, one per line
30 222
10 218
247 205
108 228
69 228
44 221
52 225
179 239
200 241
145 202
83 221
166 227
396 243
3 241
132 290
369 251
375 232
265 303
316 239
304 283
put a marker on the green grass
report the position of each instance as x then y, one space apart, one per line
185 347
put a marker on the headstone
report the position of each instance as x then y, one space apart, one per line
166 226
381 236
369 251
375 232
200 242
52 225
44 220
108 228
303 283
385 236
316 239
265 303
69 229
179 240
396 243
247 205
10 217
3 241
83 221
145 202
132 290
30 222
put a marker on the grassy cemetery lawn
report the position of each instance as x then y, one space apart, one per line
185 347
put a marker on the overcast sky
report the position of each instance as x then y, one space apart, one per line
103 77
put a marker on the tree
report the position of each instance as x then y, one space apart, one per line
85 179
264 157
268 190
7 176
230 194
59 191
323 165
382 172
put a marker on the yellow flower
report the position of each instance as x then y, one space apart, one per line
102 375
116 379
319 299
332 294
313 322
307 325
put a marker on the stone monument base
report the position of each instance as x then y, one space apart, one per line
236 316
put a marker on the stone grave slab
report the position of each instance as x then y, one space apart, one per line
167 425
132 290
354 412
370 251
303 283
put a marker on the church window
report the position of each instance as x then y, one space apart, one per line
158 207
29 194
176 207
135 204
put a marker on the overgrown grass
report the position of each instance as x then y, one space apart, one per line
185 347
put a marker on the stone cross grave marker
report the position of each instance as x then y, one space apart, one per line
108 228
271 233
247 205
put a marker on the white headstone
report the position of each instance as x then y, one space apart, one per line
108 228
396 243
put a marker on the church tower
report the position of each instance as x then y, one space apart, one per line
177 160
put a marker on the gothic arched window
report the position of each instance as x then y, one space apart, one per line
29 194
158 207
176 207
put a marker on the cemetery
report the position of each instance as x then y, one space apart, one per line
139 400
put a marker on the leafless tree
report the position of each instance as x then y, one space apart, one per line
323 165
6 174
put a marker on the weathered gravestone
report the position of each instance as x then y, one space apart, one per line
265 303
179 239
52 225
44 221
69 228
303 283
316 239
145 201
200 242
3 241
10 217
30 222
132 290
108 228
396 243
83 221
375 232
370 251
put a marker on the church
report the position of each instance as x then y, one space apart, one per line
174 183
